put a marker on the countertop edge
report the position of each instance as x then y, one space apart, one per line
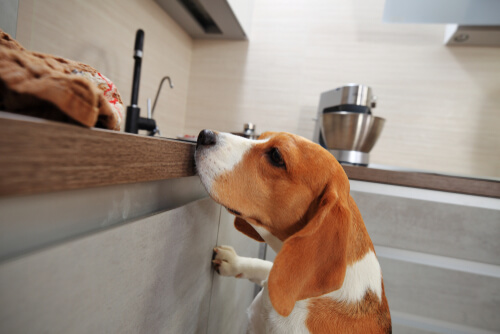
39 156
430 181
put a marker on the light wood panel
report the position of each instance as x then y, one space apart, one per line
434 293
153 275
102 34
397 328
441 103
39 156
455 231
29 223
231 297
439 258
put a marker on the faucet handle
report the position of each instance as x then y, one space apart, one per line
156 130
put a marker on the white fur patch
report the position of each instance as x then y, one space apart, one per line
264 319
270 239
222 157
360 277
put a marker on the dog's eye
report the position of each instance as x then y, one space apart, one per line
276 159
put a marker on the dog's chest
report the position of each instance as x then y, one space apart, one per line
264 319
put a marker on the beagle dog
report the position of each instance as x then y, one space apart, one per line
292 194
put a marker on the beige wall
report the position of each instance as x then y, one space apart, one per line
442 104
102 34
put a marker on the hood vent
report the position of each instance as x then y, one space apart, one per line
198 12
209 19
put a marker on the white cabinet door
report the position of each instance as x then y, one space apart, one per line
231 296
152 275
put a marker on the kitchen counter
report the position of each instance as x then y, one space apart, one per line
38 156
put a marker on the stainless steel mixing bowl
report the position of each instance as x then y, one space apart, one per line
351 131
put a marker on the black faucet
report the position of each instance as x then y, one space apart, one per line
134 121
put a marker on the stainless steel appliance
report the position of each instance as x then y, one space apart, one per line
345 124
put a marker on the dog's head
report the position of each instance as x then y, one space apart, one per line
293 189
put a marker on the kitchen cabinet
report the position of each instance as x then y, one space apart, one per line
468 22
463 12
150 275
439 256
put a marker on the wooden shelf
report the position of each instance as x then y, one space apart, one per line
38 156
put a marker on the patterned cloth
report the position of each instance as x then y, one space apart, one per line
55 88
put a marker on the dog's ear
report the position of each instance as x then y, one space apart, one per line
247 229
312 262
266 134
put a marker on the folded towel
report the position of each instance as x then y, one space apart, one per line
55 88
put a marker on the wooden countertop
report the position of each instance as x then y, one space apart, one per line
432 181
38 156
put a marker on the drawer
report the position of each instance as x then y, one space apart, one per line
450 296
458 231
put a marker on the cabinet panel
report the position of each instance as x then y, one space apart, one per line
445 295
400 329
32 222
231 297
150 276
439 256
457 231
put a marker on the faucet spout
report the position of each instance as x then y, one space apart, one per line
159 89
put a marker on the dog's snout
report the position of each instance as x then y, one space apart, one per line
206 138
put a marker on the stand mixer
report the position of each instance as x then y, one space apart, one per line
345 125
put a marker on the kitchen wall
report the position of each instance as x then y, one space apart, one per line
441 103
102 34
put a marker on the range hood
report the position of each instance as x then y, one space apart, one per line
211 19
469 22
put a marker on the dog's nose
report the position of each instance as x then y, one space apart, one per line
206 138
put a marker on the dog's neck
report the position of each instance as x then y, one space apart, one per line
270 239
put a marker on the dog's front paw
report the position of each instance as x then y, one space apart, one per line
226 261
